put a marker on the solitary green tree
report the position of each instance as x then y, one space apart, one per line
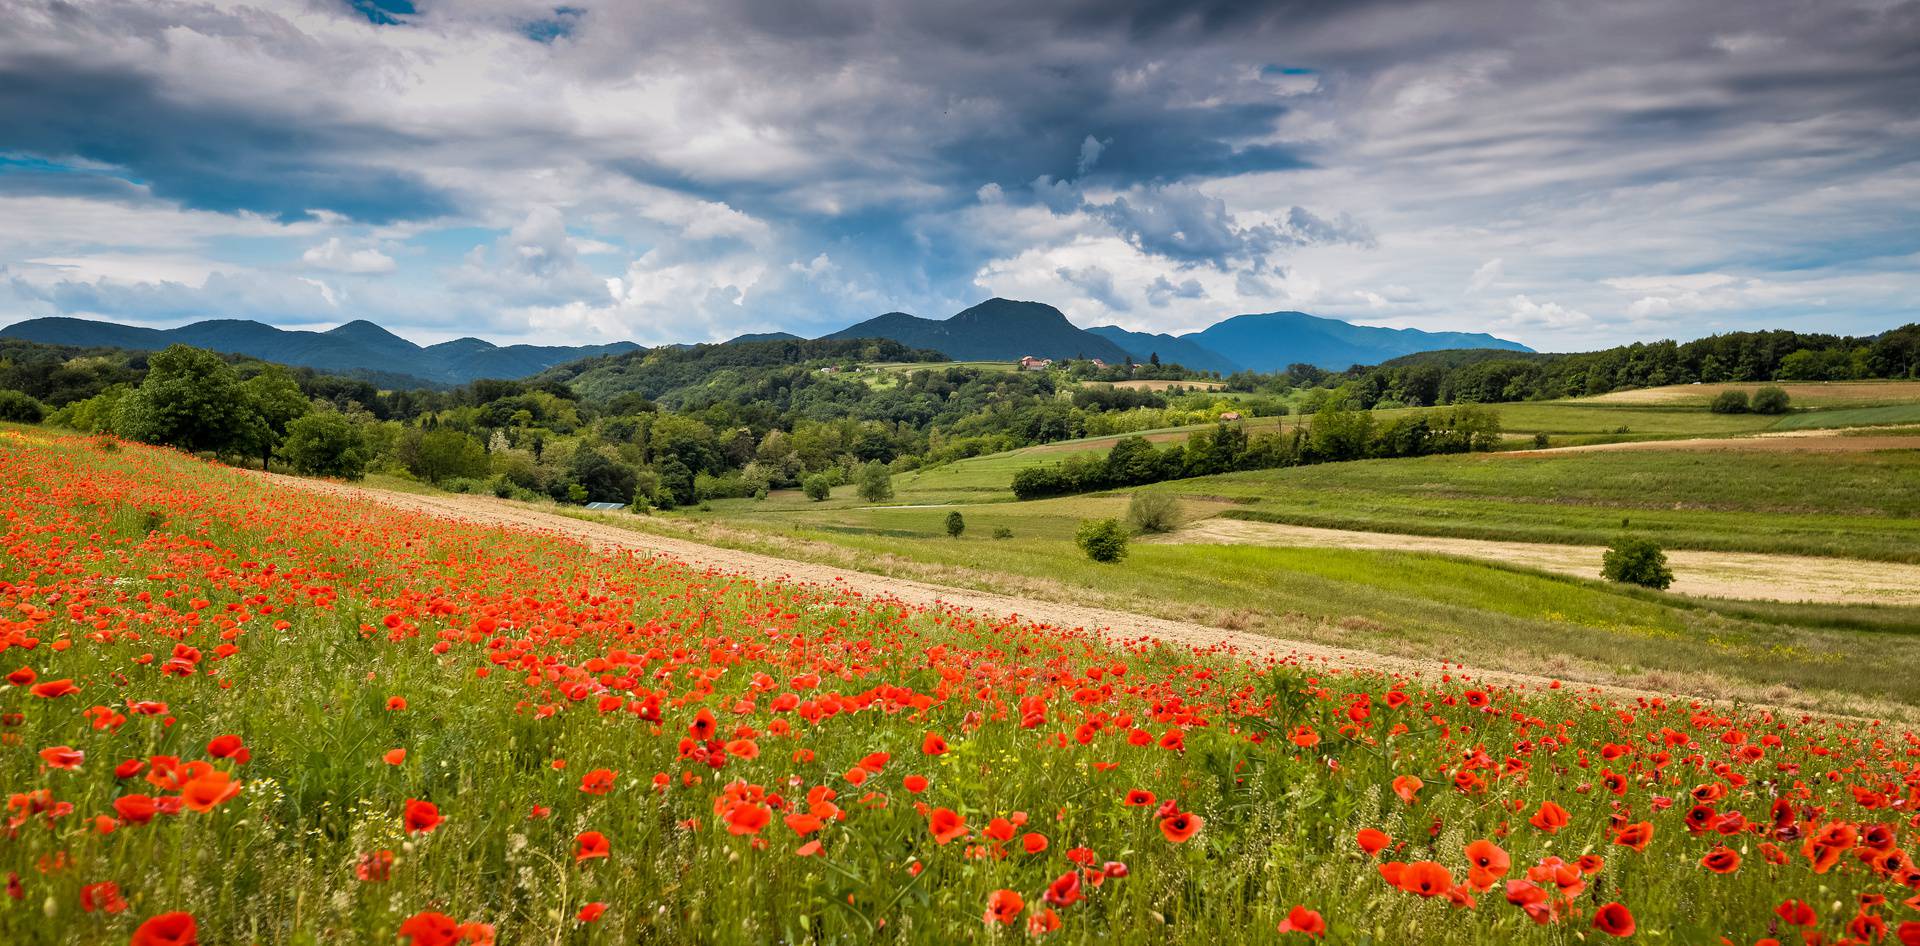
956 524
191 399
817 487
876 483
279 402
1636 561
1104 540
325 443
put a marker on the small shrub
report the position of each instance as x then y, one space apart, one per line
818 487
1729 402
1636 561
1104 540
1152 510
706 506
876 482
1002 532
1770 400
1540 441
21 408
956 524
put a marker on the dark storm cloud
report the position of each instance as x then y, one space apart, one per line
917 149
276 162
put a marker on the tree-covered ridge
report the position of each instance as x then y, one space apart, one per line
1490 377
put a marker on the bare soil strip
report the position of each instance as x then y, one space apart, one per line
1747 576
1117 625
1845 440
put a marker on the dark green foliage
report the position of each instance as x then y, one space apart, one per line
956 524
193 400
1732 401
1637 561
1336 433
876 482
21 408
324 443
438 455
1002 532
603 478
1770 400
818 487
1104 540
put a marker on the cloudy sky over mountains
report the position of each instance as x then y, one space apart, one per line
1566 174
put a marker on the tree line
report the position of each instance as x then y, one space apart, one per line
1337 432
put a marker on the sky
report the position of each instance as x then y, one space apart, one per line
1569 175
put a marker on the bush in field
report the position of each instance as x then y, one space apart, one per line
1770 400
817 487
1104 540
1636 561
956 523
21 408
1151 510
1002 532
325 443
440 455
1729 402
876 482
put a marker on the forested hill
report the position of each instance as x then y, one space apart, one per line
1489 376
737 371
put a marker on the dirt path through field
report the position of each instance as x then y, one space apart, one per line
1118 625
1786 441
1745 575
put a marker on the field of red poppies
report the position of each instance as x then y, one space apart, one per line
235 713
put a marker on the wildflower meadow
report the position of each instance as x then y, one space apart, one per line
232 712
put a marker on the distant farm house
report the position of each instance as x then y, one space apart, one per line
1230 415
1030 363
1097 363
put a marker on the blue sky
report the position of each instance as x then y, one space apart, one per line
1568 175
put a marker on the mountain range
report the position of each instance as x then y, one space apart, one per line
994 330
358 348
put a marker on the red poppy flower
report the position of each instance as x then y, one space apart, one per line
592 911
1179 827
209 790
138 809
1550 818
1003 907
1372 840
1614 919
1303 920
914 783
374 866
933 744
1065 890
1426 878
1634 835
1721 860
53 689
1139 798
1796 913
63 757
430 929
168 929
395 756
421 816
589 845
104 896
598 781
946 825
229 747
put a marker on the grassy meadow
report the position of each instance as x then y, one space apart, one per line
243 713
